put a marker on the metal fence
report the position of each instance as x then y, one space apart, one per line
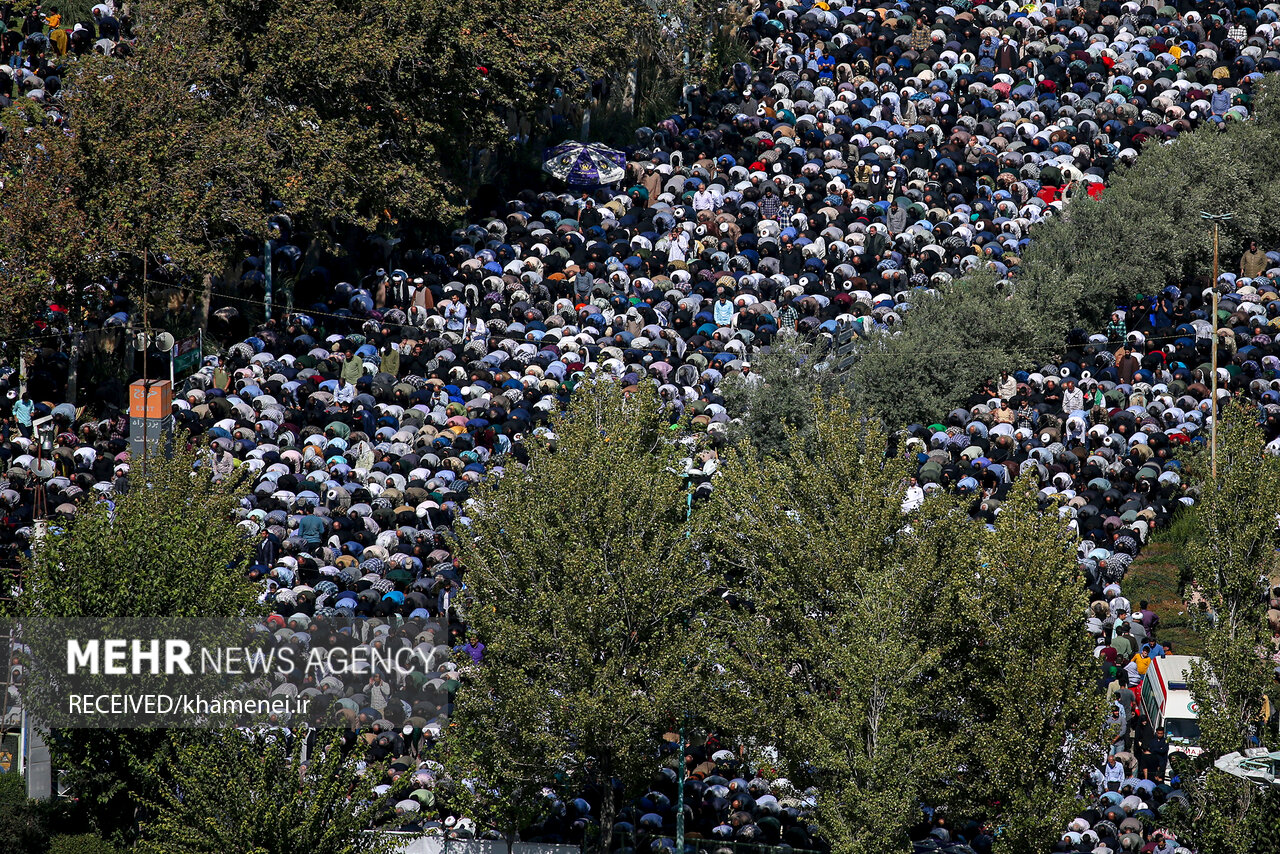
716 846
443 845
711 846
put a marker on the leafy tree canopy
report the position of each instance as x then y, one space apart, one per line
354 113
253 794
595 606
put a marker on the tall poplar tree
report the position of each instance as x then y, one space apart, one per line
593 602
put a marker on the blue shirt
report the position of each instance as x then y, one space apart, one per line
722 311
311 528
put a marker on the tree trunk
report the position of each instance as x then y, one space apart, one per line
206 297
73 365
608 812
629 100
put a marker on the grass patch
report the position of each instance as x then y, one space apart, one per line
1159 577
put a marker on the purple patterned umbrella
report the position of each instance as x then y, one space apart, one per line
585 164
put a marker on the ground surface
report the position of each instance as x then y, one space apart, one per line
1156 576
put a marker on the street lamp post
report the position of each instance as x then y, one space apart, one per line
1217 220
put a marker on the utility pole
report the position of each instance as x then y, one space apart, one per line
77 312
37 761
680 771
1217 219
146 385
268 287
140 392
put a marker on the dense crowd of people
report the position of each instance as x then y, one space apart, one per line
863 153
36 39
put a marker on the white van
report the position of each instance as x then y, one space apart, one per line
1167 702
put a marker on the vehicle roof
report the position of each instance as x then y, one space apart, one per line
1176 668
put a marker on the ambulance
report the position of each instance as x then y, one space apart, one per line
1167 702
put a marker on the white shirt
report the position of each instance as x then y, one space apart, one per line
1072 399
678 247
704 200
913 499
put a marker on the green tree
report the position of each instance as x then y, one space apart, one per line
833 647
84 843
225 113
1070 269
168 549
595 602
906 659
692 41
499 762
42 228
794 373
152 171
26 826
1225 814
1231 555
252 794
949 345
1020 671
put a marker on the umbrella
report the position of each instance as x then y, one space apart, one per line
585 164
